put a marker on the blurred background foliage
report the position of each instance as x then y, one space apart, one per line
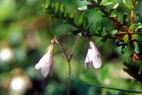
26 32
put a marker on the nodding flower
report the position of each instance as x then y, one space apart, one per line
46 62
93 56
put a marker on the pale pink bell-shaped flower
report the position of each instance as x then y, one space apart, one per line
46 62
93 56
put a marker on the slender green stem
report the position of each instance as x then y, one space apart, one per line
109 88
62 50
68 60
76 42
69 66
69 81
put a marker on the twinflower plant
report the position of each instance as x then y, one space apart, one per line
126 33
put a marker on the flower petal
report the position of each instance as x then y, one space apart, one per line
47 68
93 56
88 60
42 61
97 62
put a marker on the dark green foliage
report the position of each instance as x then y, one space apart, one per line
134 69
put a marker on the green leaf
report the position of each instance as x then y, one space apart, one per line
81 19
72 15
137 37
134 26
136 47
86 7
47 3
114 32
128 4
57 7
115 6
65 14
82 8
106 3
112 15
62 8
85 22
139 27
53 5
126 38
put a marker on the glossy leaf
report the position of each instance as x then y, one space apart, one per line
106 3
137 37
114 32
136 47
134 26
112 15
86 7
115 6
139 27
82 8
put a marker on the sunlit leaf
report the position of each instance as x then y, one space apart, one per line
106 3
137 37
115 6
128 4
72 15
62 8
112 15
126 38
134 26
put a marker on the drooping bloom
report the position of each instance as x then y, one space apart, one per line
46 62
93 56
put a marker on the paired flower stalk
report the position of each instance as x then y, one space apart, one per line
46 62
